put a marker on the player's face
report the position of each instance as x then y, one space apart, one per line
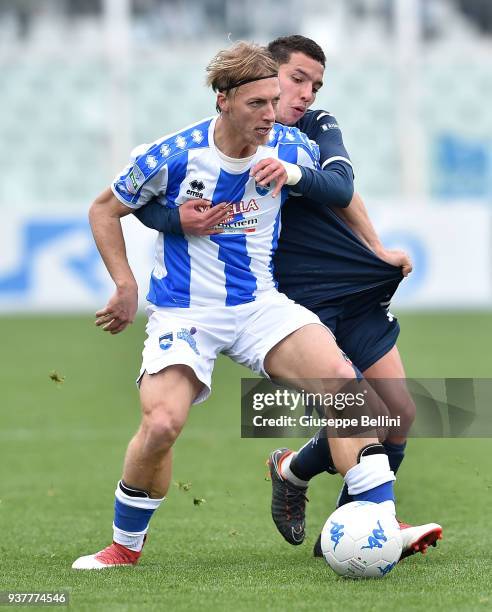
250 112
300 80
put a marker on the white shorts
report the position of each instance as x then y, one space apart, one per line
195 336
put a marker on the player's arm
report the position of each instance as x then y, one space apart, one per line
194 217
105 218
161 218
331 185
356 217
143 180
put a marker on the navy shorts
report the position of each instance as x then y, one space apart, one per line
362 324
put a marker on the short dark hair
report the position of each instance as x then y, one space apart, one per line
281 48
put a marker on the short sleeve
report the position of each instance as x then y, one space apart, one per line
144 178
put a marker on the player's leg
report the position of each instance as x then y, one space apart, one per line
369 337
304 351
396 396
177 365
165 399
290 472
314 457
387 377
311 355
367 334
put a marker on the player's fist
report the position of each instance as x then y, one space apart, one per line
397 258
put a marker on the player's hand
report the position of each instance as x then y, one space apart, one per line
397 258
199 217
269 170
120 311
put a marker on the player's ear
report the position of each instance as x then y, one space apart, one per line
222 102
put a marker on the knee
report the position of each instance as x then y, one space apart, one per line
399 401
160 427
344 370
408 411
338 375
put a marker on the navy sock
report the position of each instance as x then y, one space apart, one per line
313 458
396 453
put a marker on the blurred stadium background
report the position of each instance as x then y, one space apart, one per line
83 81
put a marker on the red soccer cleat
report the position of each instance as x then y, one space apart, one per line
114 555
418 538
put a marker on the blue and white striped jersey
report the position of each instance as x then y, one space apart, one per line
230 268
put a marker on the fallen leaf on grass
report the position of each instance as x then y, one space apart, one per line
57 378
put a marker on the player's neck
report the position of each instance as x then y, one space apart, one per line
230 142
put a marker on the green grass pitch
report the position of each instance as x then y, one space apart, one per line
62 445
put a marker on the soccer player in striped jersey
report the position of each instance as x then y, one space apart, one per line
216 293
330 260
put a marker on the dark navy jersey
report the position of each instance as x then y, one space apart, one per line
323 128
319 257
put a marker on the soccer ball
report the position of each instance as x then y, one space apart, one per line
361 540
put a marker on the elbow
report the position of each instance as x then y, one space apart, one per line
97 212
345 195
92 213
103 206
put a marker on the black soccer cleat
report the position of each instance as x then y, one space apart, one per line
317 552
288 501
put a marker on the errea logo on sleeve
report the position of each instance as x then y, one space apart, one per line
197 136
151 162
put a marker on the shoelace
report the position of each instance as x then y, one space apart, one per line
295 499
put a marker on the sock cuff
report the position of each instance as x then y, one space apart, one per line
145 503
372 471
129 533
288 474
391 446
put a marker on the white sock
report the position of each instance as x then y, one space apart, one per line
133 541
390 506
287 473
369 473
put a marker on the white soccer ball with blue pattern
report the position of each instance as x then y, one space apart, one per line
361 540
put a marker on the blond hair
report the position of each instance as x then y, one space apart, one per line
243 62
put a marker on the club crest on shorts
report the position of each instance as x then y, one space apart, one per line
166 341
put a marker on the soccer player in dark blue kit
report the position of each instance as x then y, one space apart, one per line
329 259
